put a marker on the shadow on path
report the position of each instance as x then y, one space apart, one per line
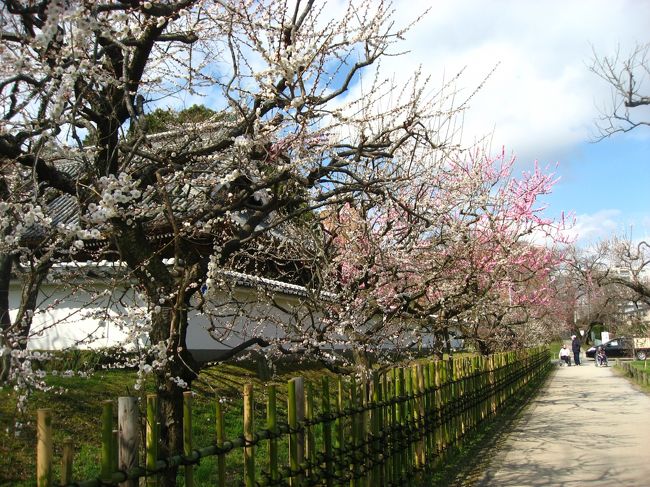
588 426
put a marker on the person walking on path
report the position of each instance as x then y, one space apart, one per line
575 347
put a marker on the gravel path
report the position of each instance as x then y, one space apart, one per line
588 427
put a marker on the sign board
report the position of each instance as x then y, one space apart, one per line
604 335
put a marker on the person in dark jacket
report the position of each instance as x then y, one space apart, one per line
575 347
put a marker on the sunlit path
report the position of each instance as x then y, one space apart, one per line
587 427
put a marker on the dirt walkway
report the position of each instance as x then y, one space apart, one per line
587 427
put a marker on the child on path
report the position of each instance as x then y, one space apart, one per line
564 356
601 357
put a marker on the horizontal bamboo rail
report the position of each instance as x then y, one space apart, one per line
384 429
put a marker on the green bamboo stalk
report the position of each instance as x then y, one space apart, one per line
310 439
375 425
445 366
385 427
354 433
402 421
428 410
397 432
187 436
439 404
272 425
66 461
339 427
327 431
152 438
411 460
44 449
115 451
419 387
292 418
221 437
249 431
364 424
107 454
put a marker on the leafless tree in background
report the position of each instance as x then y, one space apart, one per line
629 79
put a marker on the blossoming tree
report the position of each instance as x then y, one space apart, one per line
452 249
173 209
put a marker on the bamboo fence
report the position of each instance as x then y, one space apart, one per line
384 429
638 375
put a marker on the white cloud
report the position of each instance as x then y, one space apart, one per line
590 228
542 99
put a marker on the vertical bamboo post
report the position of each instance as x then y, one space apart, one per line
339 426
115 451
375 427
310 438
327 430
429 408
396 444
107 454
66 461
420 388
300 416
446 395
249 431
354 433
364 426
151 438
187 436
402 412
272 426
385 428
292 418
437 382
221 437
129 436
44 448
411 421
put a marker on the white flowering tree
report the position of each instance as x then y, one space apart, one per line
292 135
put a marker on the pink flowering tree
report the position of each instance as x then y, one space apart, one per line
464 247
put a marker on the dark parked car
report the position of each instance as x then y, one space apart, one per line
618 347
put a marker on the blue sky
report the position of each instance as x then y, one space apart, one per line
607 186
542 101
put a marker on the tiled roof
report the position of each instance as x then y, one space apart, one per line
250 281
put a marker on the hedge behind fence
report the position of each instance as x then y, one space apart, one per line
381 430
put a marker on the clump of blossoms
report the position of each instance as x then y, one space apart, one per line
119 197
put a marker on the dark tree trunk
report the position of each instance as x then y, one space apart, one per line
441 344
5 320
171 325
483 346
171 418
362 359
29 299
